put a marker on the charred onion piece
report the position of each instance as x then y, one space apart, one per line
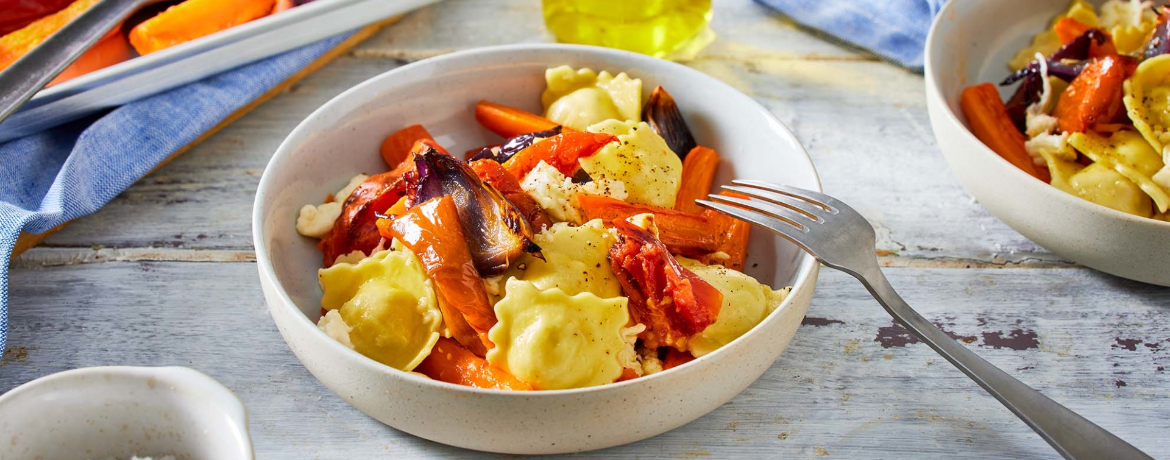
497 232
663 116
513 146
1159 43
674 303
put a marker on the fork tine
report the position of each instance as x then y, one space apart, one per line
780 227
813 212
794 217
820 199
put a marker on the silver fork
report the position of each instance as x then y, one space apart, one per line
841 238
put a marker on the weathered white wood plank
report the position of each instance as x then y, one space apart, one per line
850 386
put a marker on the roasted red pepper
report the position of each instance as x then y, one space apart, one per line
674 303
356 228
15 14
503 181
684 233
433 232
561 151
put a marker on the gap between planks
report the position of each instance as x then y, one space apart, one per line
43 257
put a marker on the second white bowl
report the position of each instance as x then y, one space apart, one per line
971 42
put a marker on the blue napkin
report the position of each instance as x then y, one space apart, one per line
49 178
893 29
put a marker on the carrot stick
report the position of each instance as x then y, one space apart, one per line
397 146
194 19
1095 96
684 233
15 45
989 121
735 238
110 50
450 362
699 169
509 121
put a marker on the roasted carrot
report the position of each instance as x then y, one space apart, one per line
1095 96
698 173
16 14
562 151
432 230
989 121
450 362
16 44
397 146
194 19
684 233
1068 29
735 238
675 358
110 50
509 121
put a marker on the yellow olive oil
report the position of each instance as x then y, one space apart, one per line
661 28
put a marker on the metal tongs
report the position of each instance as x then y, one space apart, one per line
34 70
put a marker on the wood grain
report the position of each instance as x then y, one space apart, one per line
164 275
849 385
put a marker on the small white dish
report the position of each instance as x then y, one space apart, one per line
342 138
971 42
117 412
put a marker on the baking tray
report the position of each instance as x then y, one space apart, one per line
176 66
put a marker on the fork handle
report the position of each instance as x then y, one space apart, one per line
36 69
1075 437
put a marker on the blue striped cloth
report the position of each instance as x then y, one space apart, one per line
893 29
49 178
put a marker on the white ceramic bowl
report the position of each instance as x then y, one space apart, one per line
971 42
117 412
342 138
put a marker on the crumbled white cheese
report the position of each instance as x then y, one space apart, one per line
557 194
628 356
1054 144
316 221
334 325
650 362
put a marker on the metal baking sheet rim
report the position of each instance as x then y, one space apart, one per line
147 75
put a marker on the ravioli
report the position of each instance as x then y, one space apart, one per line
641 160
575 260
1046 42
388 305
557 341
1147 100
1130 155
579 98
1130 24
1103 185
746 302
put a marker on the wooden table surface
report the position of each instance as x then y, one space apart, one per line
165 275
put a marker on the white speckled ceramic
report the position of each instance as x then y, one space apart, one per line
971 42
342 138
116 412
